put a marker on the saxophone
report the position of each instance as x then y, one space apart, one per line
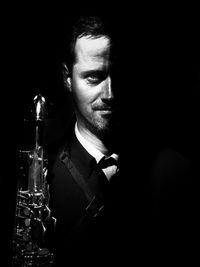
32 214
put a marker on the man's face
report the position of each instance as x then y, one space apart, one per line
91 84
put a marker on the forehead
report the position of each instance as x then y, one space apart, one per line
88 48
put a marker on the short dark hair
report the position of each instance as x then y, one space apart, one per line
93 26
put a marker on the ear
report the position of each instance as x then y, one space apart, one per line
66 77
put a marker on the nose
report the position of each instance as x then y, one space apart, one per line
108 90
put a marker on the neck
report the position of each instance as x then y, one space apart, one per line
93 139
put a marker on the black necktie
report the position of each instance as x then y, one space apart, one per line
109 165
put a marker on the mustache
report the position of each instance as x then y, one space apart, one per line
104 106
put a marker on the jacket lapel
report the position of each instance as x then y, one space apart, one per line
87 167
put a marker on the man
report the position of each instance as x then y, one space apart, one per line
84 166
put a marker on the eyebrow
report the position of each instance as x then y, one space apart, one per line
93 71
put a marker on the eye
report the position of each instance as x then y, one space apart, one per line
93 79
96 77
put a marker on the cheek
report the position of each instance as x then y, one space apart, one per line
81 93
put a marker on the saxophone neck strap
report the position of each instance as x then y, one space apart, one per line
95 202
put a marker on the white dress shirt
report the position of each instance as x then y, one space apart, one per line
96 153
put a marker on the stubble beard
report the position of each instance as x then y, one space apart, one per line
104 127
101 128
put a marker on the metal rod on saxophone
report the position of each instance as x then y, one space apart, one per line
36 158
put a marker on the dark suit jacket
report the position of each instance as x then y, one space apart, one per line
150 208
78 236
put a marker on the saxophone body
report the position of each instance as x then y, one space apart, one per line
32 214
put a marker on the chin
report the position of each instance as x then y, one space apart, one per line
100 127
103 125
103 130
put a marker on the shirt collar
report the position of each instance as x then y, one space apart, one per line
91 149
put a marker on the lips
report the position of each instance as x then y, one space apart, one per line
105 109
105 112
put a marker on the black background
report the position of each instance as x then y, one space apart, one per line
159 64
